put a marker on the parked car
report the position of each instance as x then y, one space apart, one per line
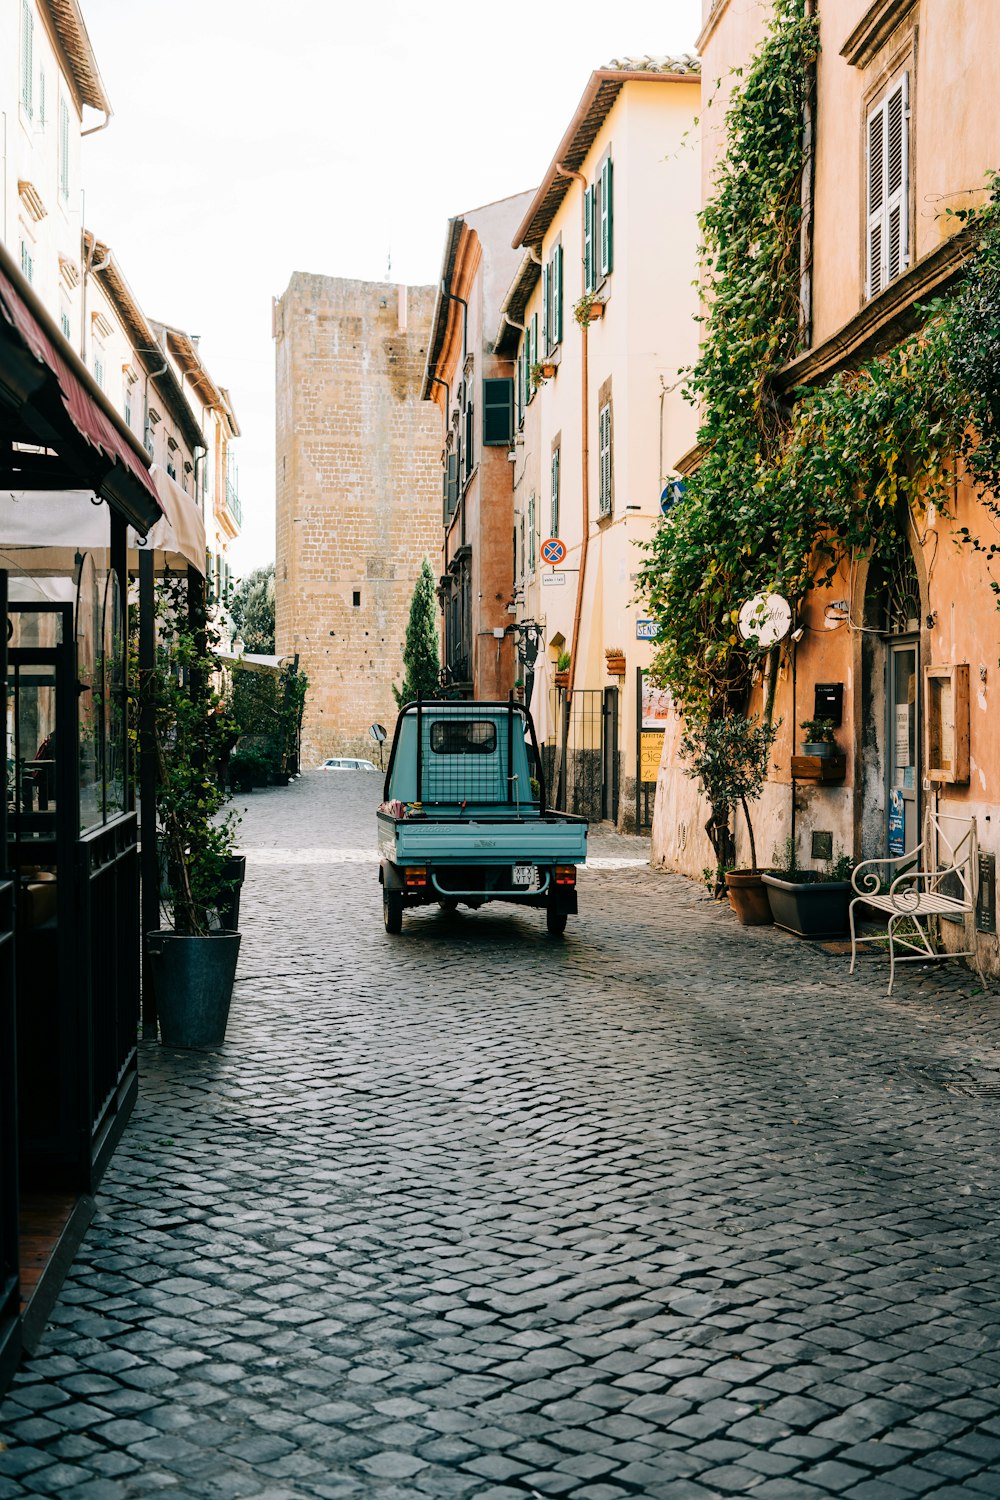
346 763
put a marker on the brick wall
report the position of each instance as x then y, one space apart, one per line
358 495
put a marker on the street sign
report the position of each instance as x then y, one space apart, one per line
645 630
552 580
553 550
672 491
377 732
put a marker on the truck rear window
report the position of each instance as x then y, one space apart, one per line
463 737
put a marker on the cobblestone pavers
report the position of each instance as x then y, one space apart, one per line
671 1208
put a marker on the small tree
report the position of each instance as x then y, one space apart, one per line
729 755
252 609
420 654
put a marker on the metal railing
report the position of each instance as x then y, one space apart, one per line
233 505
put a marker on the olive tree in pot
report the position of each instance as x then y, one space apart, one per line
194 961
729 754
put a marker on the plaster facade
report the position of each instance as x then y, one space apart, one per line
876 632
358 489
626 364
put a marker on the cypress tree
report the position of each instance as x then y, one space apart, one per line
420 654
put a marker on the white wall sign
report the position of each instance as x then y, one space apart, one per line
765 619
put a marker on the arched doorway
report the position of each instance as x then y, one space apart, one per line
891 707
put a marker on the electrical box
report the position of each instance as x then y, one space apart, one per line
822 844
829 702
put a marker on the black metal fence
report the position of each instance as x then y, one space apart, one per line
576 773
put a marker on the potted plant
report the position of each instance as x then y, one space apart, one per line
811 903
730 755
539 374
519 689
615 658
561 675
588 309
819 738
194 960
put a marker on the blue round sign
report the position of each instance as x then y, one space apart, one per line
672 492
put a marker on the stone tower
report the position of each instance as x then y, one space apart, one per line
358 495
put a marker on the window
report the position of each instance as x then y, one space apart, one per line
463 737
357 599
450 484
522 382
498 413
63 149
532 537
530 357
41 99
27 262
552 301
604 460
888 230
64 323
554 518
126 395
27 58
598 229
99 367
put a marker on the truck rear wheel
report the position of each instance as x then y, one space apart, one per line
555 921
392 911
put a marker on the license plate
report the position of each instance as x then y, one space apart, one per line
524 874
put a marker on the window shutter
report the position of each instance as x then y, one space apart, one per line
588 240
63 148
452 482
470 431
498 413
557 296
532 546
534 352
604 460
27 56
41 98
554 531
607 235
896 175
546 320
876 198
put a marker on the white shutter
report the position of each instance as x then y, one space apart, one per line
897 175
607 207
888 132
557 297
604 461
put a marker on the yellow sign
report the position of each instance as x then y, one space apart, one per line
650 749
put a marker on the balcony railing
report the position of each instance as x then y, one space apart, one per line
233 505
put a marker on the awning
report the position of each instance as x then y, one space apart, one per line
48 399
41 532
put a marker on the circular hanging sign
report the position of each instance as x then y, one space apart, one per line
765 619
553 550
672 492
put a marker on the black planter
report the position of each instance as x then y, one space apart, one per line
193 981
812 908
229 905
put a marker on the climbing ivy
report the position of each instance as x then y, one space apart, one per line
787 487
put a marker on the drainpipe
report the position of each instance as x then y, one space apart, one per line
454 297
584 453
95 128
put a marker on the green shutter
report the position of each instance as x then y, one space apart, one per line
63 148
27 56
554 531
498 413
557 296
588 240
607 234
546 320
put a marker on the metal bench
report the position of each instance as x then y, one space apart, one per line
919 896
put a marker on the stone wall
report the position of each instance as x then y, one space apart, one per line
358 495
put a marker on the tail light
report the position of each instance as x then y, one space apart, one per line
565 874
416 875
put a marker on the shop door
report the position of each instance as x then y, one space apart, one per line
609 784
904 739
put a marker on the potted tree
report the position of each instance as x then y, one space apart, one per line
811 903
194 960
561 674
730 754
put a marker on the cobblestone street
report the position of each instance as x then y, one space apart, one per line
668 1208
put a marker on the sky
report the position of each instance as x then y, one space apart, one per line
251 140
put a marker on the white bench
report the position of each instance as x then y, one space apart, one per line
916 895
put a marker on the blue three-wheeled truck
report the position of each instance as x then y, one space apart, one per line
464 820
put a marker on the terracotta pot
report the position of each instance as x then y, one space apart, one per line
616 666
561 679
748 897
